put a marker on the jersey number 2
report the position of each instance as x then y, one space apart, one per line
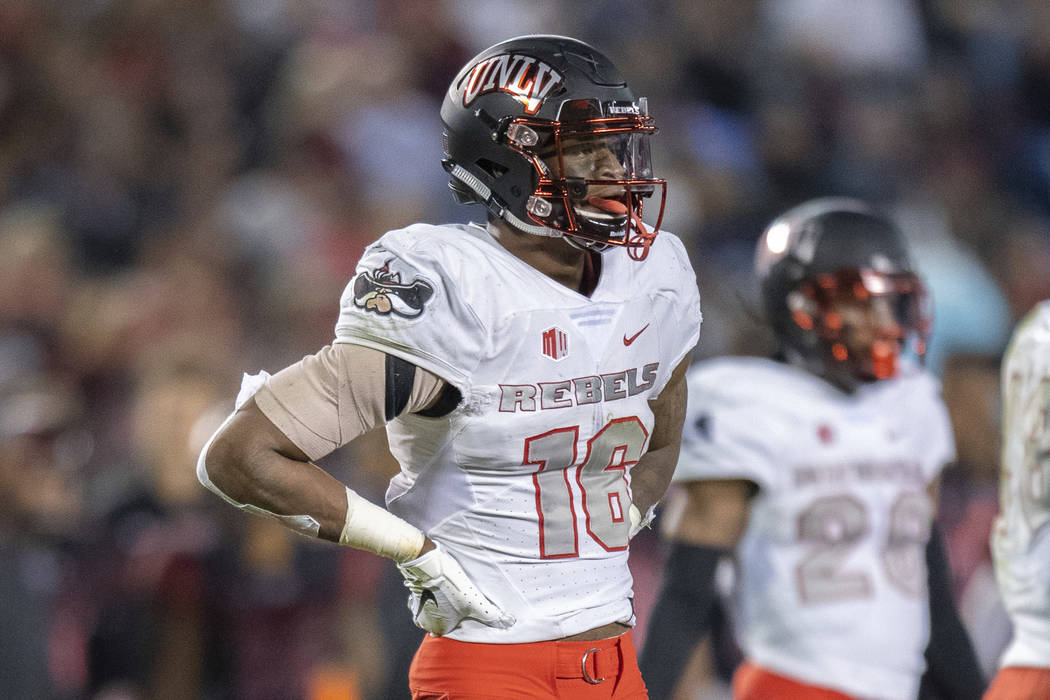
837 524
602 480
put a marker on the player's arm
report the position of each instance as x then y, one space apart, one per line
952 670
706 529
652 475
251 462
258 461
258 458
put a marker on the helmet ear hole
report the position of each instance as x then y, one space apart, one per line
494 169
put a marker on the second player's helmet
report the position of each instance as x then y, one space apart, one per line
840 291
544 132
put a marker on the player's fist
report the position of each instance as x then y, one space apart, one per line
441 596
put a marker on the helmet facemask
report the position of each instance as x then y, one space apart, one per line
594 170
862 322
518 118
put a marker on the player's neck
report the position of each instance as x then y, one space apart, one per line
555 258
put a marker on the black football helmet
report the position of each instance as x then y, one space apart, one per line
519 119
840 292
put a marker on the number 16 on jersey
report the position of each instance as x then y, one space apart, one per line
602 480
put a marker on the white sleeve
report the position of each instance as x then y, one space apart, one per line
689 315
676 282
722 440
937 446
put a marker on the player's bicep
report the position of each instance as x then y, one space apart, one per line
302 401
327 399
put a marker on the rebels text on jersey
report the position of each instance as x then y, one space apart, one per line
527 482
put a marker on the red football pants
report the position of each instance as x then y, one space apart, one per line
751 682
1020 683
607 669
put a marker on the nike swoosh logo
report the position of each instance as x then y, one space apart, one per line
628 341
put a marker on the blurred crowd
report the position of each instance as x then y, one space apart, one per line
185 188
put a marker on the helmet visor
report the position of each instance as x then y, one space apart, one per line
901 294
598 157
594 171
866 319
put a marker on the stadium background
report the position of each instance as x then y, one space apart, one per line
186 186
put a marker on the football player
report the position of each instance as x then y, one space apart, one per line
530 374
818 468
1021 536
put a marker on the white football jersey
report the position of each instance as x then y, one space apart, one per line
1021 536
832 587
527 482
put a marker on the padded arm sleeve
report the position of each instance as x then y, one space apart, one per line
952 671
326 400
680 617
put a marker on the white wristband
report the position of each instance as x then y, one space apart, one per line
377 530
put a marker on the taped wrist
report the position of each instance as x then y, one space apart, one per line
377 530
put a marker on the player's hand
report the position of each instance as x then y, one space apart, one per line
441 596
638 520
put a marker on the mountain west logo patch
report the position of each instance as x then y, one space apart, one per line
382 291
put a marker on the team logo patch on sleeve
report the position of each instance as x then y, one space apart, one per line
382 291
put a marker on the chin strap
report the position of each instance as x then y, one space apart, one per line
638 237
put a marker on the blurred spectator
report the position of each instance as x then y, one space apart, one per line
971 314
883 37
42 449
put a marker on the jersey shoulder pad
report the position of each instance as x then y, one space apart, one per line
667 276
405 300
754 380
666 267
740 414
